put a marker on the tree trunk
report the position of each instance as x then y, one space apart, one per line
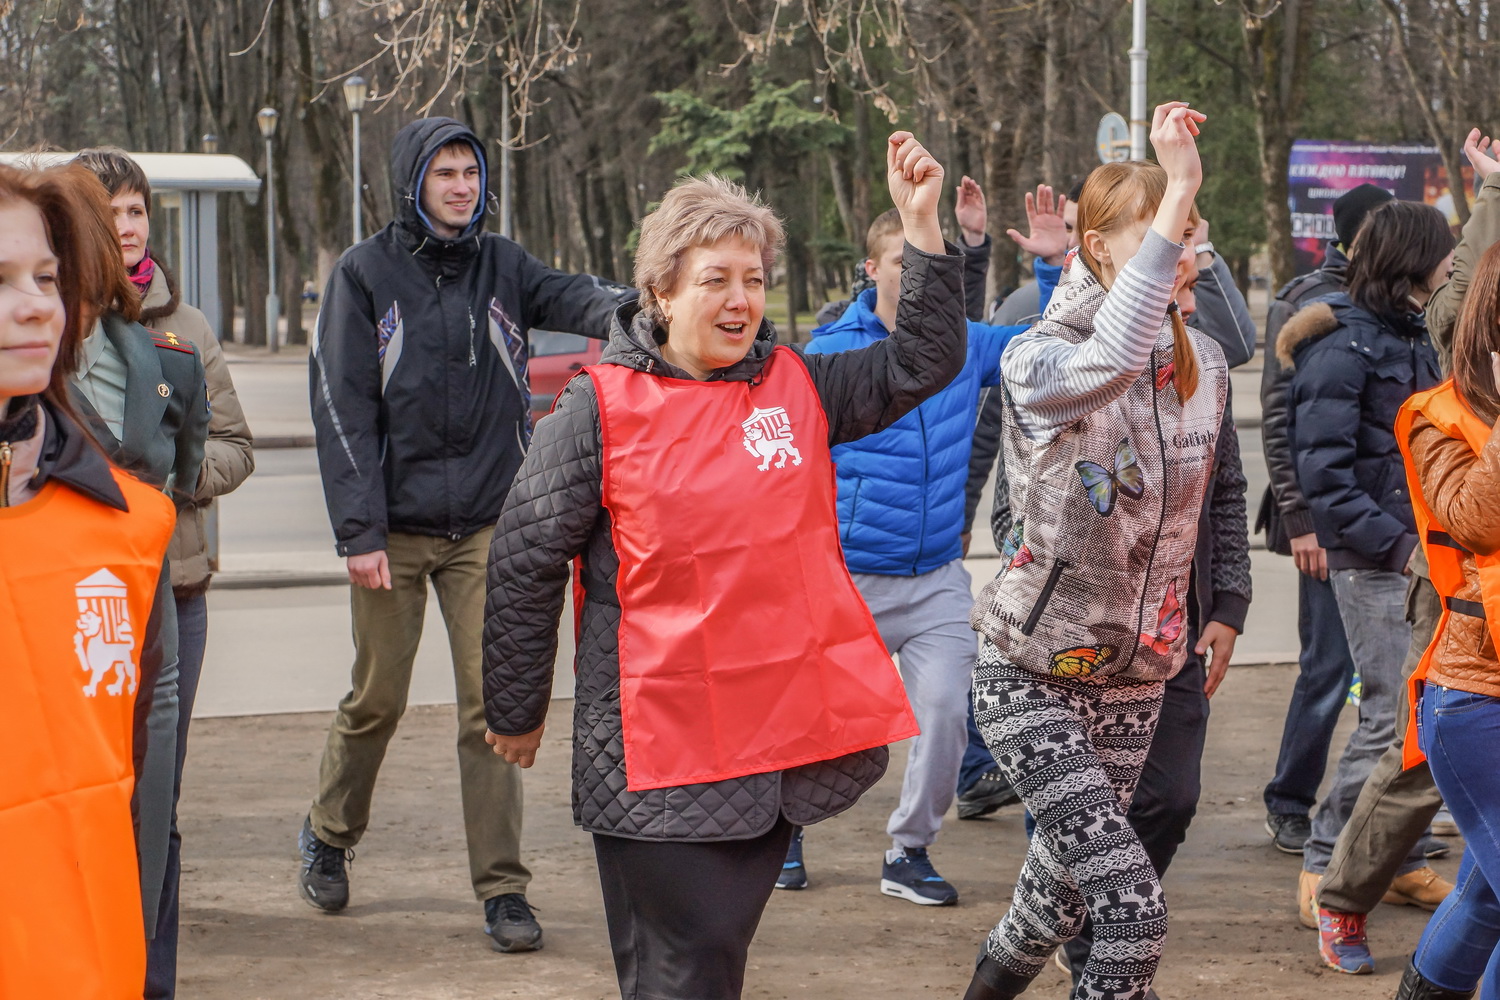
860 181
1276 45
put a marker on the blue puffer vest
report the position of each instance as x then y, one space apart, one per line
901 491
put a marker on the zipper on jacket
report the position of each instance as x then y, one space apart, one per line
1161 447
473 361
5 456
922 508
1058 565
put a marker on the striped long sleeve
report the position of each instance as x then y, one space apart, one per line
1052 382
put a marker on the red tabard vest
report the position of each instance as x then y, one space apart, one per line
1443 407
77 580
744 645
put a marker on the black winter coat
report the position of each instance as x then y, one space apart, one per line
420 398
1353 371
1283 513
554 512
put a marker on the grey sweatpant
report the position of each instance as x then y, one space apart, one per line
924 621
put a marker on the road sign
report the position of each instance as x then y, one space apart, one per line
1113 138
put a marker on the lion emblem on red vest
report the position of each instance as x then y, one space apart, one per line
768 435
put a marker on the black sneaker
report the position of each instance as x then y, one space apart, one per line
989 793
1289 831
323 880
511 925
908 873
793 871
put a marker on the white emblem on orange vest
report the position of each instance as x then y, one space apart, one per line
768 435
105 639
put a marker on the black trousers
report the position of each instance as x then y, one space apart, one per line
1166 798
681 914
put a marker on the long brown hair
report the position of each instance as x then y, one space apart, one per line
1118 194
1475 335
89 269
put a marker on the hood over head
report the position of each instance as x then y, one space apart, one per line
415 146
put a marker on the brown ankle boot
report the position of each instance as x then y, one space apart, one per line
993 981
1422 888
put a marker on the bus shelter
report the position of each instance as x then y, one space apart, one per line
184 214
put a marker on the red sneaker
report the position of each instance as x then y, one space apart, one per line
1341 942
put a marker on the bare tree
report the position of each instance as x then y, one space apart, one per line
433 47
1445 48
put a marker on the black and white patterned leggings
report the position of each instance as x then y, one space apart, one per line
1073 748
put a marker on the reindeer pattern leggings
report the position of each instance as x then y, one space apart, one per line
1074 748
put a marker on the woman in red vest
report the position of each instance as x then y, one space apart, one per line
83 545
730 682
1453 462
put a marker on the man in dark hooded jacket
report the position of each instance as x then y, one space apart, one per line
422 409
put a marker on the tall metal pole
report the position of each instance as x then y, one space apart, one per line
1139 122
273 303
356 90
359 219
505 159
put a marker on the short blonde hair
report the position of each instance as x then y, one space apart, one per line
886 225
699 211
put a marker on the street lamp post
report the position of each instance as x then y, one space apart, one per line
266 119
505 159
356 90
1139 119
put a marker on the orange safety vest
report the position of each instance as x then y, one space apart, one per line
744 646
77 582
1445 557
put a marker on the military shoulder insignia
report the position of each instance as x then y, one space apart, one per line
170 341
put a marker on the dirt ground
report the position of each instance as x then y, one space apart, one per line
413 928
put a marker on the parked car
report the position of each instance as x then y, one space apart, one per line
556 358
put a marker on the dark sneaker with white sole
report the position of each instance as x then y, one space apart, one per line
511 925
908 873
1289 831
323 880
793 871
988 794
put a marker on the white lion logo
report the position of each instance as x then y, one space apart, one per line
768 435
105 638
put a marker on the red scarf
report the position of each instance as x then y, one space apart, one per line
143 272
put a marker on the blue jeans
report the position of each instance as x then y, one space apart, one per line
1325 670
1459 732
161 950
1372 603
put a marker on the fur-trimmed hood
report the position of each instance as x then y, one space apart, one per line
1312 321
162 298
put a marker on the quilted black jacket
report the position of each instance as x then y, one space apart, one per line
553 513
